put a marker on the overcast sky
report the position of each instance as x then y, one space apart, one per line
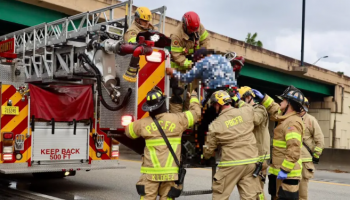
278 24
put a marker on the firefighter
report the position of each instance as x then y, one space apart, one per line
314 141
233 131
285 169
188 36
159 171
142 22
261 129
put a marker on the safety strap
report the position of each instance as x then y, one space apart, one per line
308 149
184 97
166 141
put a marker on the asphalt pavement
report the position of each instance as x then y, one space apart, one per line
119 184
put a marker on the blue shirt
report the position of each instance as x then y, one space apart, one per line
214 70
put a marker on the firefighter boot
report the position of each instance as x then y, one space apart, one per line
131 73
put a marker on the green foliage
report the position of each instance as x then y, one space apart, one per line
251 39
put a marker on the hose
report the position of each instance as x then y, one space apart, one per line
142 50
126 99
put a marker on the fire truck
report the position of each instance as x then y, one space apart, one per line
64 101
62 91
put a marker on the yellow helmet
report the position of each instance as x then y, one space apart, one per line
245 91
143 13
306 104
221 97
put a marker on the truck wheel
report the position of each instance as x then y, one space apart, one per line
52 175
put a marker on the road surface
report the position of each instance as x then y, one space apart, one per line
120 185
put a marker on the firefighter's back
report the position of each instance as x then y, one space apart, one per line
235 135
233 131
156 152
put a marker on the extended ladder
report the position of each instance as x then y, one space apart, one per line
40 46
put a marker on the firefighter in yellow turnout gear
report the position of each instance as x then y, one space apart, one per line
285 169
233 131
314 140
142 22
187 37
159 171
261 129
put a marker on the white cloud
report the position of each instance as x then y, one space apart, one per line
333 44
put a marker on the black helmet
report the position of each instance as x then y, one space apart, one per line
293 94
154 100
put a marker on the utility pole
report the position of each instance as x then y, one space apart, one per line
302 35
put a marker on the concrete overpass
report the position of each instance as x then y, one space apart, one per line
270 72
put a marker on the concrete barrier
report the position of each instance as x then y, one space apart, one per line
335 159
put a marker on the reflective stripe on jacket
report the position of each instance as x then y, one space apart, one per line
233 131
133 30
287 140
157 158
182 46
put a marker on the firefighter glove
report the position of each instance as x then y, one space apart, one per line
258 94
282 175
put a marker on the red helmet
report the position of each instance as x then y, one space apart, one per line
191 22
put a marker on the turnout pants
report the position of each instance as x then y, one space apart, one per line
149 190
307 174
264 173
287 189
226 178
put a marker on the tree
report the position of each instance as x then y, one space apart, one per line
251 39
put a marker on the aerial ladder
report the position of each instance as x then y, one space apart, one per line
59 80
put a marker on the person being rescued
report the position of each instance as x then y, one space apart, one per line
216 73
